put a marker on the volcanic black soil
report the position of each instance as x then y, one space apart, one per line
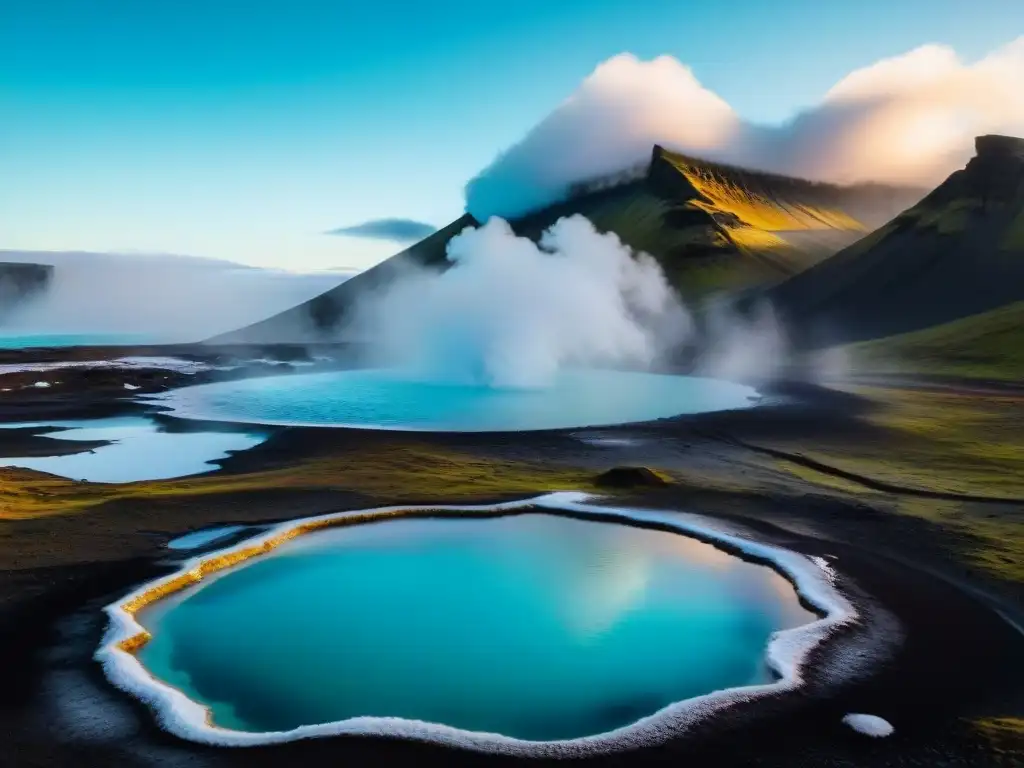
945 618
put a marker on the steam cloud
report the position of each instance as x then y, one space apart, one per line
905 120
748 346
167 298
511 313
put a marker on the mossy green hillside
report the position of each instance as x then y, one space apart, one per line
989 345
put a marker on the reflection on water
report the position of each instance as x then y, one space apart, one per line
534 626
139 450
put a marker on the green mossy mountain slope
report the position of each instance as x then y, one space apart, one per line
958 252
989 345
712 227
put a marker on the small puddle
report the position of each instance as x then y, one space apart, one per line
139 450
198 539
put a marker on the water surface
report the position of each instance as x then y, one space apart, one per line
29 341
533 626
197 539
387 399
139 450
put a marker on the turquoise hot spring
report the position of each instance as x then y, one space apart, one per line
393 399
528 623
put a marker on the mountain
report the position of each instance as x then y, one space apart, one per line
21 281
711 227
719 227
989 345
958 252
320 317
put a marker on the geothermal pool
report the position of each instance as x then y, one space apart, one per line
384 399
139 449
535 626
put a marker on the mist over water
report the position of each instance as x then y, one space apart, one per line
752 345
154 298
513 313
515 336
507 313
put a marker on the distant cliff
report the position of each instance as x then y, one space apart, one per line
20 282
958 252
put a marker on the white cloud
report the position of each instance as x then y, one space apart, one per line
906 120
170 298
513 313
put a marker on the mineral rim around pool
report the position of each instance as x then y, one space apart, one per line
535 626
388 399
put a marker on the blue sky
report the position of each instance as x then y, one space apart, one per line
243 130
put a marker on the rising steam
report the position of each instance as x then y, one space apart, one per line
511 313
905 120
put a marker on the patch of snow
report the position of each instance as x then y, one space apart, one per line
132 386
122 363
603 440
168 363
42 384
869 725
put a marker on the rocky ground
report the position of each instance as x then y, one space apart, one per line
917 493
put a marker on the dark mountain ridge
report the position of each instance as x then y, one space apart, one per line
712 227
958 252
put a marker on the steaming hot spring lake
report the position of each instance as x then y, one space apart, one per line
534 626
391 399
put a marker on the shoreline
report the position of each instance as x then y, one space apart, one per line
940 622
786 654
960 657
